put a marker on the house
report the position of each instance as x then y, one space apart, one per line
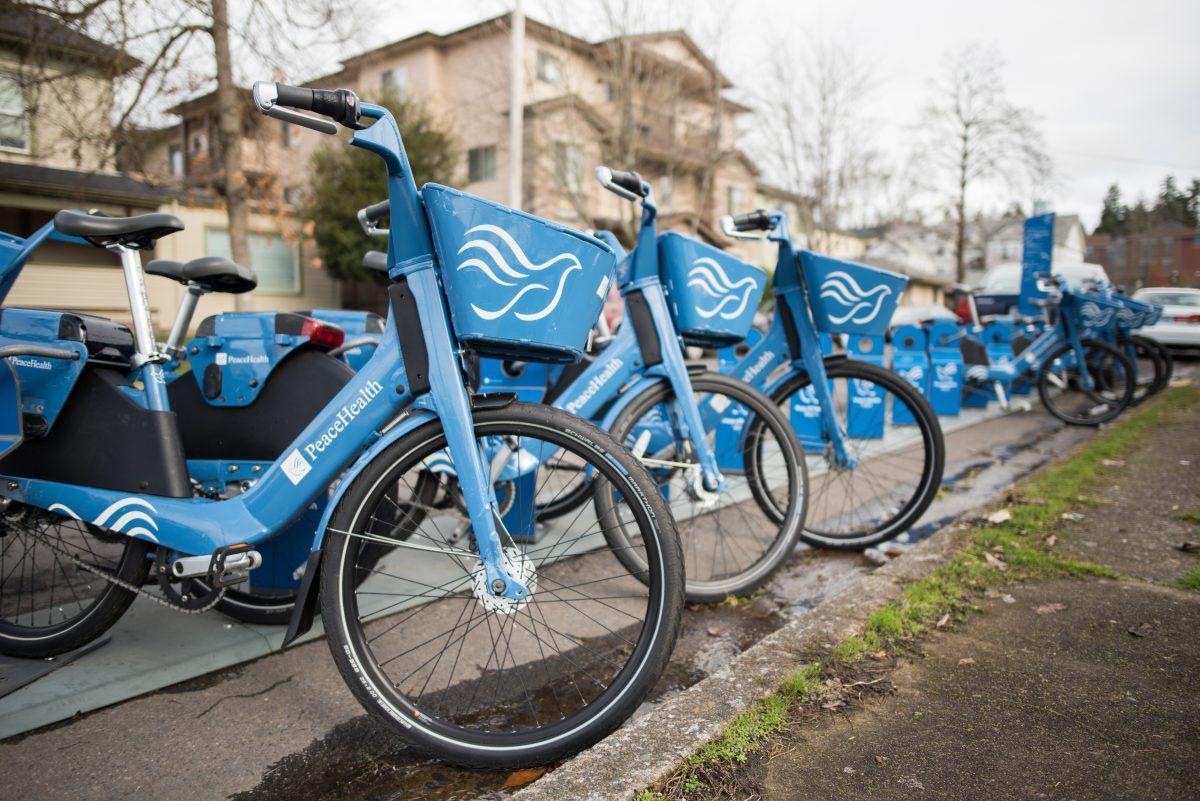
57 150
654 102
1166 255
922 253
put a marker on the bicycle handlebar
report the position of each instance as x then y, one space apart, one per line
626 183
757 220
279 99
376 211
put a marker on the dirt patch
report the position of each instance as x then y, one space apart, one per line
1149 507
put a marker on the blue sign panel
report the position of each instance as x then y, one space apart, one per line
1035 258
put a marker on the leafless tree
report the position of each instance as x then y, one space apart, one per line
970 133
184 46
815 132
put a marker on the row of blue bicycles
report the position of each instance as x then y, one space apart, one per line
497 507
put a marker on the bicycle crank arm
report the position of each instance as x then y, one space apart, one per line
198 566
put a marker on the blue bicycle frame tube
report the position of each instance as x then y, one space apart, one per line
340 433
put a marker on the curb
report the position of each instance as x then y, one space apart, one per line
647 749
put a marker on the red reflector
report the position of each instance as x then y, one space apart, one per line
321 334
963 311
1188 318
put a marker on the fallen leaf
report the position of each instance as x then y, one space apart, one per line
713 631
992 561
1072 516
1008 599
520 778
1053 538
998 548
1175 508
879 655
1112 462
1047 609
945 619
879 760
1141 631
996 518
966 661
834 704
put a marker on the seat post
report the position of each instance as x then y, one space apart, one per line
146 353
183 319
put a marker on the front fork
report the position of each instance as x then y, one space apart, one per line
449 400
674 369
813 362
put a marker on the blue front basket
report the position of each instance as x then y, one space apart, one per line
850 298
518 286
712 295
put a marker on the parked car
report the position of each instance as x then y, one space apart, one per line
1000 290
1179 326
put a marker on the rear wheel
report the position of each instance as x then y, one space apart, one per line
1148 364
1068 397
483 681
733 538
53 594
898 473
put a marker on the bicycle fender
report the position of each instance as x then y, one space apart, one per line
307 596
625 398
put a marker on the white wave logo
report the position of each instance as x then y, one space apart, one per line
1128 317
1094 316
125 516
862 305
864 387
977 373
501 273
915 374
731 296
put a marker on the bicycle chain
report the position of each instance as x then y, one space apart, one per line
133 587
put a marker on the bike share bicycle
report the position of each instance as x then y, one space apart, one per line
469 645
871 479
722 454
1081 379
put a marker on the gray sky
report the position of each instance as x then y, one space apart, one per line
1116 83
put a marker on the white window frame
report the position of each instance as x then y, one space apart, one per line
25 122
494 171
544 59
294 247
569 176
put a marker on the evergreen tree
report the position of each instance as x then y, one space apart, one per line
1113 214
345 179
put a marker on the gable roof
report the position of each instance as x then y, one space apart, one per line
26 27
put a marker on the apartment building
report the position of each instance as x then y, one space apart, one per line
655 103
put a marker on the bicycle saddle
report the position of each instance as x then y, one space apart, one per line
217 274
375 261
211 273
138 232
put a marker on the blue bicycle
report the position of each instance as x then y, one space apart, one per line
722 454
467 642
873 475
1081 379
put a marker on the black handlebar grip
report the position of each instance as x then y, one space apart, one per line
757 220
628 180
340 105
377 211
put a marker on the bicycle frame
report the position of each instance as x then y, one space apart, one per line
623 360
793 338
358 423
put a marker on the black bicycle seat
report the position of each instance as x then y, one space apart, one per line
139 233
217 274
166 268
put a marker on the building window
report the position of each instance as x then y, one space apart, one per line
733 200
292 195
610 92
549 68
394 82
568 165
175 159
275 261
481 164
14 115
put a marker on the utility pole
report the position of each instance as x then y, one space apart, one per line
516 107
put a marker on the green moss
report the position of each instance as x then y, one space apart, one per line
1042 500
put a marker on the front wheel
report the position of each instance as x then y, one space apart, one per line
1147 363
483 681
1108 389
899 457
735 536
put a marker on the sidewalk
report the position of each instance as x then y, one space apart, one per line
1057 689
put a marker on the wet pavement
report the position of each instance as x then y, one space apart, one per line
285 726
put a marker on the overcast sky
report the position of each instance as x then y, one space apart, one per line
1115 83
